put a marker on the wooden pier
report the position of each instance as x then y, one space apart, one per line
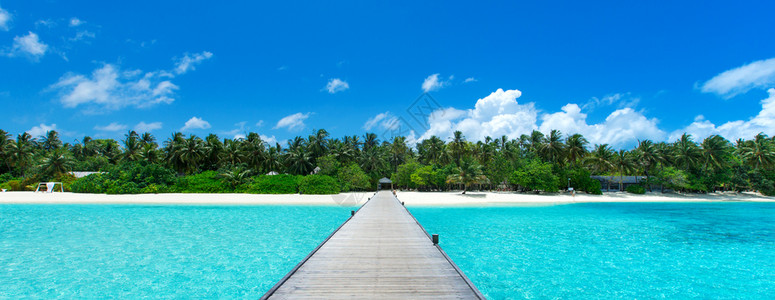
381 252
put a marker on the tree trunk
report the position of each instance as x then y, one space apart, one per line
621 182
648 180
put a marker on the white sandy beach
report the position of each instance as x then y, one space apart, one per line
354 199
509 198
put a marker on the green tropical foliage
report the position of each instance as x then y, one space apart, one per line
140 163
536 176
318 184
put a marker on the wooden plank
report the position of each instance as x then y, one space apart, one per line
380 252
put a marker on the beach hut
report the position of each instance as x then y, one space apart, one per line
384 182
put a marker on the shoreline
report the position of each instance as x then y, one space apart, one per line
440 199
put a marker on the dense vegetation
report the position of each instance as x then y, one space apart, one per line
530 163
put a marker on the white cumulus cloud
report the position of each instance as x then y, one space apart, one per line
189 61
621 127
270 140
293 122
500 114
195 123
147 127
469 79
433 83
239 132
75 22
764 122
5 18
336 85
497 114
28 45
758 74
110 89
41 129
111 127
385 121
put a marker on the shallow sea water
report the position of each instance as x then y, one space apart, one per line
578 251
612 250
133 251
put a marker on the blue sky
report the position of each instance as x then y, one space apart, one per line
614 71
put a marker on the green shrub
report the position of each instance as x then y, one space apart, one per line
636 189
318 184
581 180
13 185
19 184
352 177
126 178
275 184
116 187
594 188
205 182
67 180
5 177
536 175
154 189
92 184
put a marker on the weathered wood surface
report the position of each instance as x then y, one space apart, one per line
380 253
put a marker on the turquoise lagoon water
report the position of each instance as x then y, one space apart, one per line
612 250
580 251
133 251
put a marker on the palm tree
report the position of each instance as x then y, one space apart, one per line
51 141
56 163
298 160
623 162
576 148
715 151
647 157
458 147
214 151
554 149
148 138
89 146
171 148
255 150
21 152
354 143
373 162
398 152
342 151
435 149
318 144
132 146
190 153
484 152
536 141
273 160
601 160
686 152
236 176
6 144
469 172
758 153
369 141
150 153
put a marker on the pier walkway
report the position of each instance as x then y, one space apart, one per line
381 252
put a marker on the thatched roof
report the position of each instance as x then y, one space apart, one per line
385 180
